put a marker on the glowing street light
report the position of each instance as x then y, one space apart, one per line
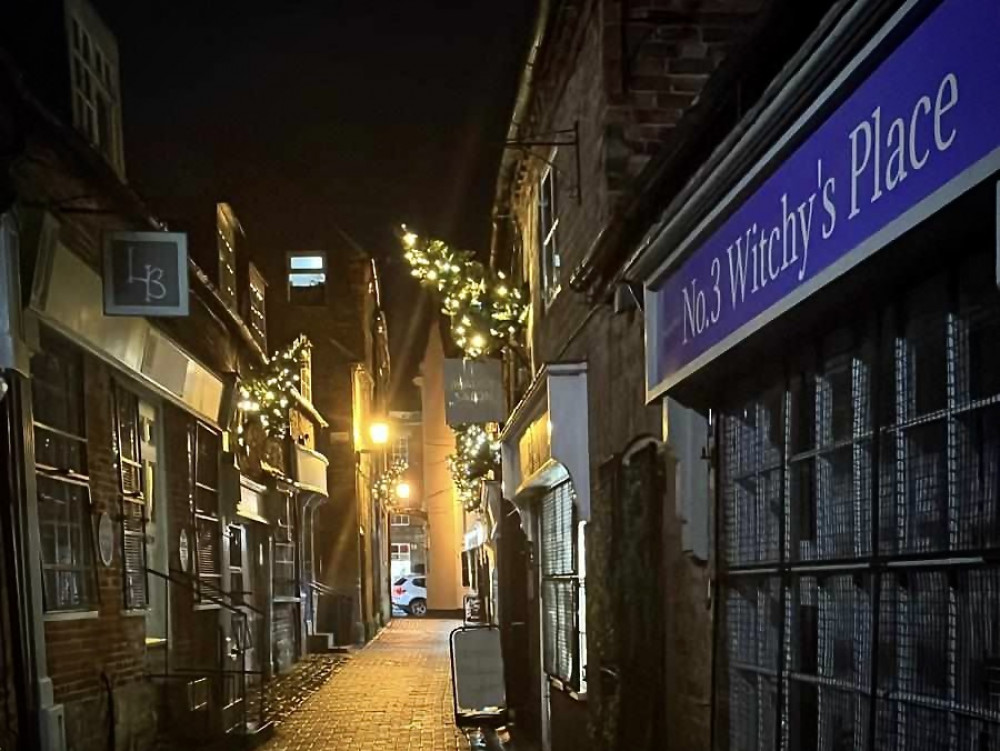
403 490
379 432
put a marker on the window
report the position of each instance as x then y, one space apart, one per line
422 583
64 511
305 374
285 581
204 453
400 520
560 586
400 551
470 570
238 581
226 227
94 75
401 450
548 245
133 495
860 502
258 307
307 278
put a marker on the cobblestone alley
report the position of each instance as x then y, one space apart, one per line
394 695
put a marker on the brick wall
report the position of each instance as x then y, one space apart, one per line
621 128
89 657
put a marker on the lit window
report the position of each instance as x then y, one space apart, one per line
258 309
401 450
400 551
94 76
226 228
307 278
548 225
400 520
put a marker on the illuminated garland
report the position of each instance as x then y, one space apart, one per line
477 456
484 308
385 484
267 397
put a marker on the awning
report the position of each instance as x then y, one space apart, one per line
546 438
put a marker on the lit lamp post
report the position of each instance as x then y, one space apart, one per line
403 490
379 432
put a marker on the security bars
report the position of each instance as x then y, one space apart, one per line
860 530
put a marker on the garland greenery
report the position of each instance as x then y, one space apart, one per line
476 457
267 397
485 309
385 484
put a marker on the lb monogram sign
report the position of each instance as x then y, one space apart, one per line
145 273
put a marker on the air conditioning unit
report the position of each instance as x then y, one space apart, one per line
53 728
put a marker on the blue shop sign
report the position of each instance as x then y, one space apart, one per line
920 130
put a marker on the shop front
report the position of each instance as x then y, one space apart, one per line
546 475
835 315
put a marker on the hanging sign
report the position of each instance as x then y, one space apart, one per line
473 391
919 131
105 538
145 274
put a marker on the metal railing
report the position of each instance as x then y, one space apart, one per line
251 685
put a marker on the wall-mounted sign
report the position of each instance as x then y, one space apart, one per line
473 391
105 538
145 274
535 447
184 551
919 131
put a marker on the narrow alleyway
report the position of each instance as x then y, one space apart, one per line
394 695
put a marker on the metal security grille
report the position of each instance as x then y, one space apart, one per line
860 532
560 585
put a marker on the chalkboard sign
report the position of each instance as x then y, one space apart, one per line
474 609
145 274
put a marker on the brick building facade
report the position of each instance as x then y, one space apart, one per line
158 548
612 93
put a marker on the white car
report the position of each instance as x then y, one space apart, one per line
409 594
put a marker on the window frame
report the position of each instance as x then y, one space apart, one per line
305 384
399 453
257 310
206 519
396 550
549 257
394 520
73 478
227 227
321 289
285 585
132 499
94 81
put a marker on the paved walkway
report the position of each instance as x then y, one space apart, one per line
394 695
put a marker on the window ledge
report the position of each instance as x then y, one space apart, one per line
287 599
154 642
207 606
135 613
71 615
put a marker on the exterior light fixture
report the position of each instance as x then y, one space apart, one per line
403 490
379 432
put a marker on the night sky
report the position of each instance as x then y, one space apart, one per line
311 115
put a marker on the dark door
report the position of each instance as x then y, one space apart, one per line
518 622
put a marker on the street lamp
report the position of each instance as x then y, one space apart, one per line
403 490
379 432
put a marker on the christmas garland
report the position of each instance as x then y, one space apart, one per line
267 397
484 308
385 483
477 456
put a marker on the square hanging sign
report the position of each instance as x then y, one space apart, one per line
145 274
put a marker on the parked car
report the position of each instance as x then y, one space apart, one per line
409 594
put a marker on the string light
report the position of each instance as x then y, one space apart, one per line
485 310
476 457
385 484
266 397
